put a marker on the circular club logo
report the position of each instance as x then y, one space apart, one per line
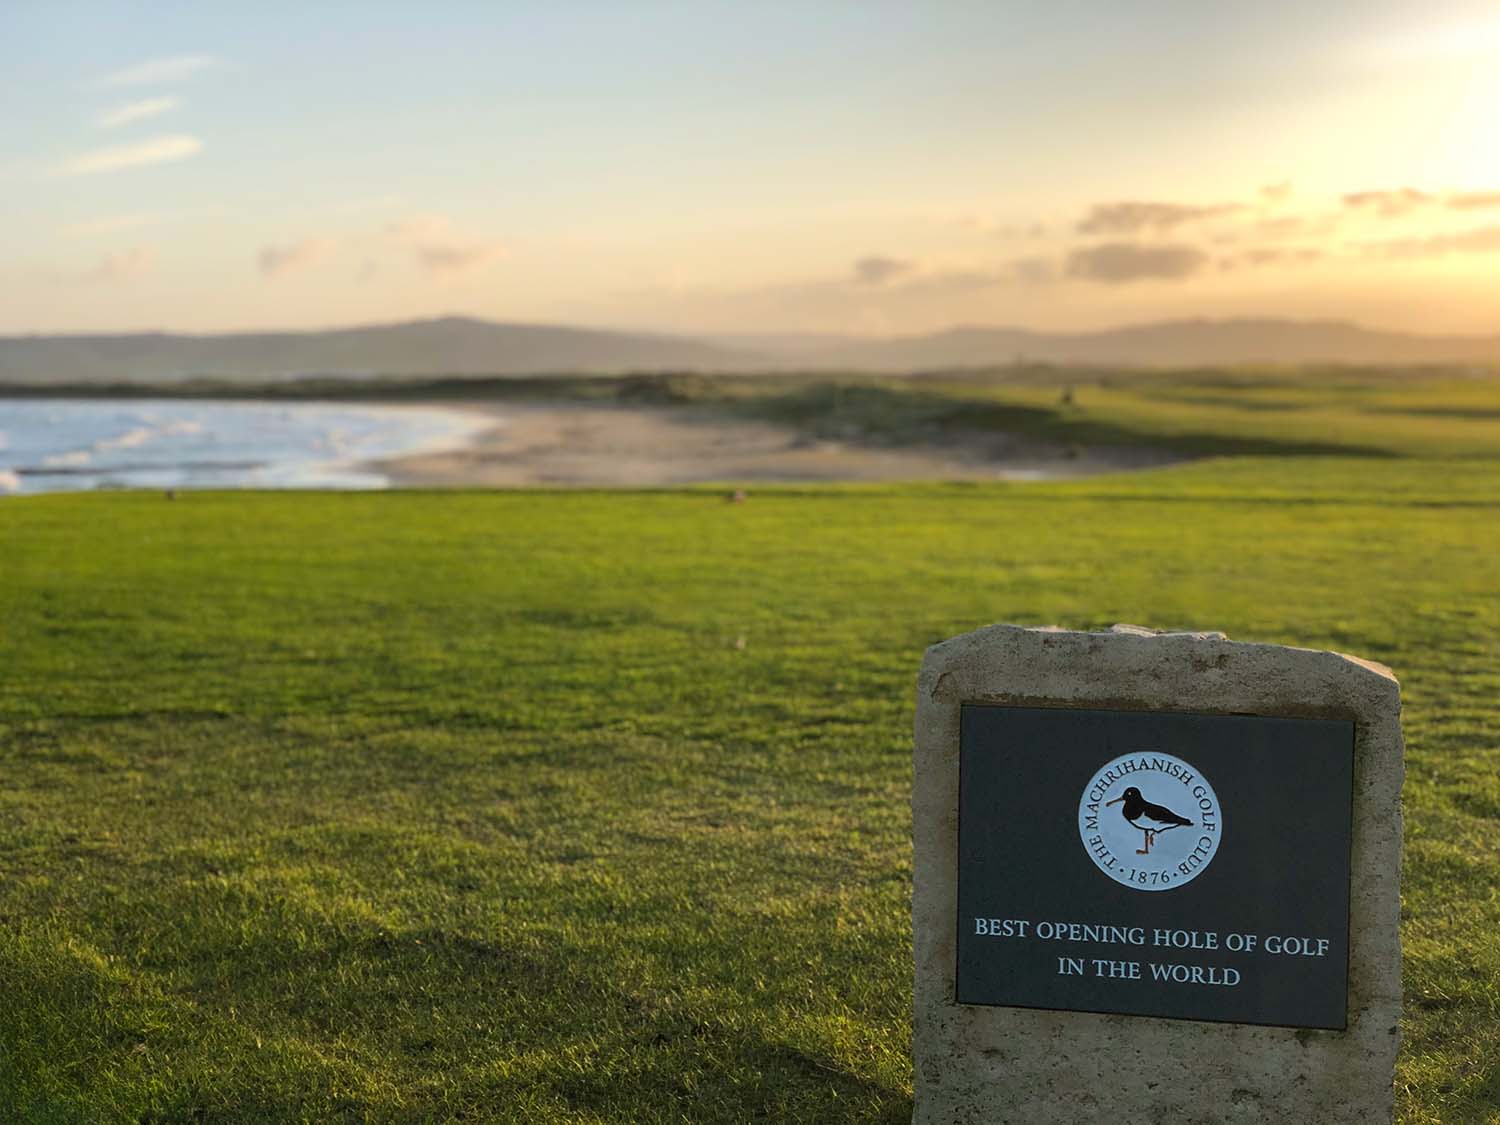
1151 821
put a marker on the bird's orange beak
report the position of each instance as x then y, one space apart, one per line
1116 801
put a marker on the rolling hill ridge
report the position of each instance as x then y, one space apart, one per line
467 346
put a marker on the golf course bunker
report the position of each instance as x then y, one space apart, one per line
1156 878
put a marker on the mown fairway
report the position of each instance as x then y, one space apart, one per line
593 807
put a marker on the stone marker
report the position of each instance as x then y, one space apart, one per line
1156 879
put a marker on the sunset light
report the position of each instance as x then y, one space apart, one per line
696 562
738 168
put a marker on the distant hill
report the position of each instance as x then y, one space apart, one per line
449 346
1175 343
462 346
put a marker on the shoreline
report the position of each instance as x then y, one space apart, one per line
614 445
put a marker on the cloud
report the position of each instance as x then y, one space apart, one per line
877 269
1277 255
1116 262
1403 201
1480 240
158 150
439 248
1033 270
1276 193
155 72
135 111
1388 204
1472 200
277 260
123 265
903 277
455 257
1134 217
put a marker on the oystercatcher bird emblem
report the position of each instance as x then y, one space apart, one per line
1149 818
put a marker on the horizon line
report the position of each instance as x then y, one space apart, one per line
713 335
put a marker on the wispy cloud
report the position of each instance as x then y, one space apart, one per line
439 248
1403 201
1117 262
1472 200
157 150
901 276
277 260
1480 240
455 257
1390 203
1134 217
1278 256
135 111
154 72
123 265
876 269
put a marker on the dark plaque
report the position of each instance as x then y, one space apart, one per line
1155 864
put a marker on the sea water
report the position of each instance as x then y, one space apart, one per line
50 445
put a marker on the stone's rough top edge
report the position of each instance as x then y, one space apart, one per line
1146 631
937 656
1371 665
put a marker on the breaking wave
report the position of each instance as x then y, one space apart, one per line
61 444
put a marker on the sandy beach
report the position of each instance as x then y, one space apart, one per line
623 446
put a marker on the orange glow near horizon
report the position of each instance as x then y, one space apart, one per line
843 168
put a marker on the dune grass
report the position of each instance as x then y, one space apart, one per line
1441 413
593 806
1357 412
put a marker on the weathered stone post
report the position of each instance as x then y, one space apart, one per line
1156 879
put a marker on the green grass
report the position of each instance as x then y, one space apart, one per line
593 806
1368 412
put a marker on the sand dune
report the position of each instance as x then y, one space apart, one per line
582 445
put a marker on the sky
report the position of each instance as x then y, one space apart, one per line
815 166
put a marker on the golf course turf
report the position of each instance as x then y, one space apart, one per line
593 806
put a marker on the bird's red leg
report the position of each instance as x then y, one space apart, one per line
1147 849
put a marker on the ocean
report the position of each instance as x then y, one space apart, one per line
58 445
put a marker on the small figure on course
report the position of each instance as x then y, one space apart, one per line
1149 818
